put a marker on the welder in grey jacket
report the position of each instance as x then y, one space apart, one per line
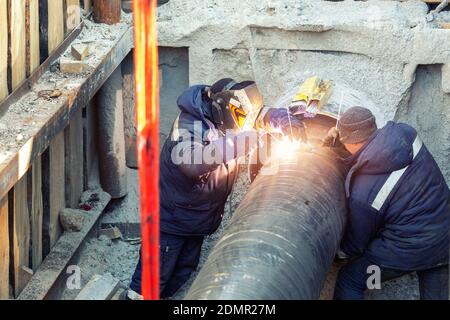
198 169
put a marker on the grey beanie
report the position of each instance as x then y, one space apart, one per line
356 125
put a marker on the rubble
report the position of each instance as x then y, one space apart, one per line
72 220
99 288
49 94
99 38
80 51
111 233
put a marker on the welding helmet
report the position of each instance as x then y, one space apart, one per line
237 106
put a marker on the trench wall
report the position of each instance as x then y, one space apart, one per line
386 49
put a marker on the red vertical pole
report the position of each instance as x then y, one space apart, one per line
147 112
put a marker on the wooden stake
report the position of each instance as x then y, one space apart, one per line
55 24
4 249
32 23
74 160
56 186
21 234
107 11
37 212
73 14
17 31
3 50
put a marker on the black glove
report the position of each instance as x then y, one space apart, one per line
332 138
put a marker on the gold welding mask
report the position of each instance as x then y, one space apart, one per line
237 109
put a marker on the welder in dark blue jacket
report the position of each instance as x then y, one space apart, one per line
198 169
399 215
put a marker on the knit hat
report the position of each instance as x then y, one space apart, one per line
356 125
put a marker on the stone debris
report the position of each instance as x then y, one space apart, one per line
80 51
99 38
72 220
111 233
49 94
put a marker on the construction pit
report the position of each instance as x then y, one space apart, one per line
389 56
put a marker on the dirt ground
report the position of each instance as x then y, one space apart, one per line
119 257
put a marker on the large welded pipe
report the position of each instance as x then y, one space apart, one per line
283 237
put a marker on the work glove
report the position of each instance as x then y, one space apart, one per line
281 119
332 138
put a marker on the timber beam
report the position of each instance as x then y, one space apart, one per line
42 126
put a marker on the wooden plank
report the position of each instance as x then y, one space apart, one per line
52 273
4 249
20 234
87 5
33 48
129 111
91 158
74 160
107 11
99 288
73 18
56 186
17 32
3 49
37 213
14 165
55 23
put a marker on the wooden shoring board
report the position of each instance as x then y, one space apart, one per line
13 166
17 36
73 14
91 157
56 186
32 24
37 213
4 249
20 234
3 49
55 23
74 160
87 5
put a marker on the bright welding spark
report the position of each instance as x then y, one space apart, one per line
285 148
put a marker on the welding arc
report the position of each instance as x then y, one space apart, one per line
283 237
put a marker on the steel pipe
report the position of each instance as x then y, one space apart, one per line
282 239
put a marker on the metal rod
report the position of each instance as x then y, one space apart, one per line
147 111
